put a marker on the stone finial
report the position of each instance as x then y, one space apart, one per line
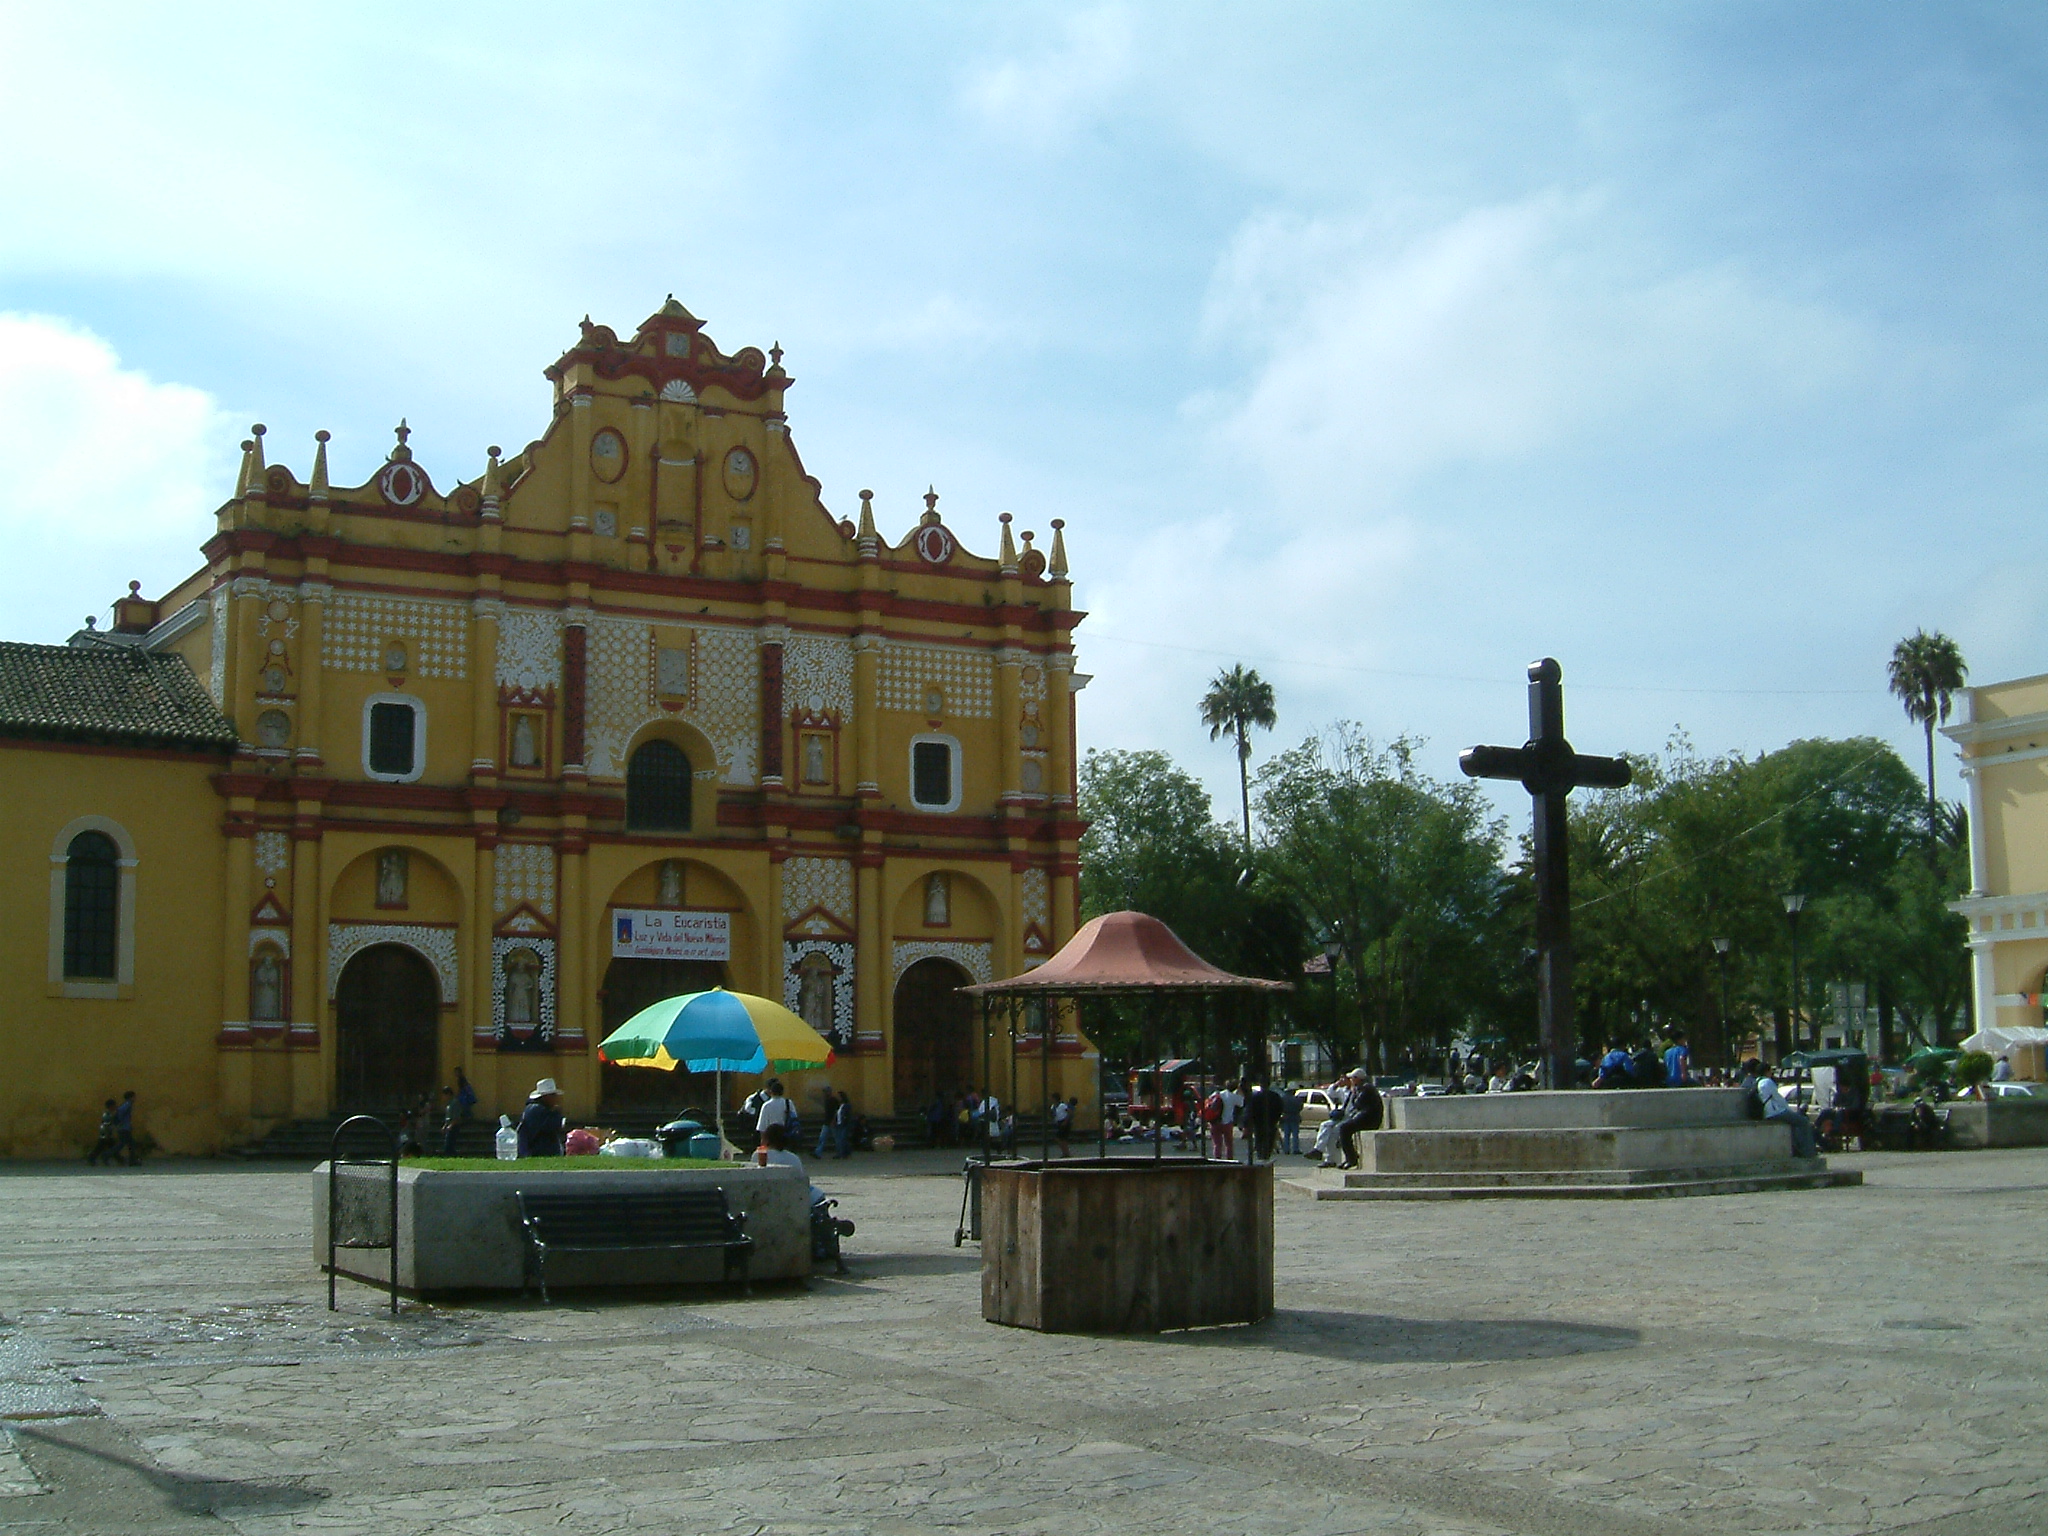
316 488
401 454
931 506
868 541
1006 558
255 446
243 476
494 484
1057 568
775 362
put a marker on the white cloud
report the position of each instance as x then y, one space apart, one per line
1047 93
106 476
1381 356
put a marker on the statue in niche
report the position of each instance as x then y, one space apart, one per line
266 988
670 884
814 760
525 743
522 992
938 900
815 975
391 877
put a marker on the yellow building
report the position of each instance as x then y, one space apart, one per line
407 779
2002 730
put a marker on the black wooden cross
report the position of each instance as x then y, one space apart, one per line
1550 770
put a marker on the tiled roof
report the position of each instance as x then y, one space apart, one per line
107 692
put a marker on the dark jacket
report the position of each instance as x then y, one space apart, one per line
540 1130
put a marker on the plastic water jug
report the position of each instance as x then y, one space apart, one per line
507 1139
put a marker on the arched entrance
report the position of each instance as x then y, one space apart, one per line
934 1035
387 1012
629 986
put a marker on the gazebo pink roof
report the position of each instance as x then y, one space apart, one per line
1125 952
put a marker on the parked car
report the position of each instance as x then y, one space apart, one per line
1317 1105
2017 1090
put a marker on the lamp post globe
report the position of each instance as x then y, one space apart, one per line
1795 903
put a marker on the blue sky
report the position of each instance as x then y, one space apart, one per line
1382 347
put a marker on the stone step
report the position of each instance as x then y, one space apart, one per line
1535 1177
1581 1190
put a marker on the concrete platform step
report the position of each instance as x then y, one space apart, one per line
1538 1177
1823 1178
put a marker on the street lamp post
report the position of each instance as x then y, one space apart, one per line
1333 951
1794 903
1721 948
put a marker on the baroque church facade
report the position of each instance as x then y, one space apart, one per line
409 779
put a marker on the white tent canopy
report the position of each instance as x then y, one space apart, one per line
1996 1040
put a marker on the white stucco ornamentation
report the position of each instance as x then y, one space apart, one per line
219 680
529 649
974 959
541 1032
273 852
359 625
794 952
525 872
724 698
808 883
817 675
1038 899
435 945
964 675
727 705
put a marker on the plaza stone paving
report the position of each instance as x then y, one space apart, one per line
1840 1360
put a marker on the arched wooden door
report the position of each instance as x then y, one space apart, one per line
935 1037
387 1014
629 986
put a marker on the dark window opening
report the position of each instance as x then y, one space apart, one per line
931 774
658 789
92 907
392 728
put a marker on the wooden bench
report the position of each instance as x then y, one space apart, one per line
631 1221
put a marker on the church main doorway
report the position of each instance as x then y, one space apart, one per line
629 986
387 1010
935 1035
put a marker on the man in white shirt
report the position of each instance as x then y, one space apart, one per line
1779 1110
776 1110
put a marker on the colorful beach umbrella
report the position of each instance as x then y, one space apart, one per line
717 1031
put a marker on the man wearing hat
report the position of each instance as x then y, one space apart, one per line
542 1125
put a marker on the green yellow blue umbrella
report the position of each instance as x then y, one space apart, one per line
717 1031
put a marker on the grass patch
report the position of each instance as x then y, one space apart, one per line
554 1164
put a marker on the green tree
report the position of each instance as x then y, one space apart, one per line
1401 871
1926 671
1153 846
1236 701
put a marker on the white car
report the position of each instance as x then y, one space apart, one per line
2009 1090
1316 1105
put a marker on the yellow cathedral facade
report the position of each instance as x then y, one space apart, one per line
408 779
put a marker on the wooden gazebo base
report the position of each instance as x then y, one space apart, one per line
1126 1245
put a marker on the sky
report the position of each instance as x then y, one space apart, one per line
1383 348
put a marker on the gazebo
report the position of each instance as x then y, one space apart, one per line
1123 1245
1128 955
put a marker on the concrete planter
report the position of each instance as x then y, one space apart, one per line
1126 1245
2000 1123
459 1231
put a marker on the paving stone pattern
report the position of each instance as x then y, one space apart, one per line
1838 1361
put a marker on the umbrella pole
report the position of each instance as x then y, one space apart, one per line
718 1108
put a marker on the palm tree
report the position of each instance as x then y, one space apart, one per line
1926 670
1236 701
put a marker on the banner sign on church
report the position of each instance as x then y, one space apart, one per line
668 934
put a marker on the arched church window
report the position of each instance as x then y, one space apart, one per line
92 900
658 789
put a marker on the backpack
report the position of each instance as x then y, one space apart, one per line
1752 1101
1212 1108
